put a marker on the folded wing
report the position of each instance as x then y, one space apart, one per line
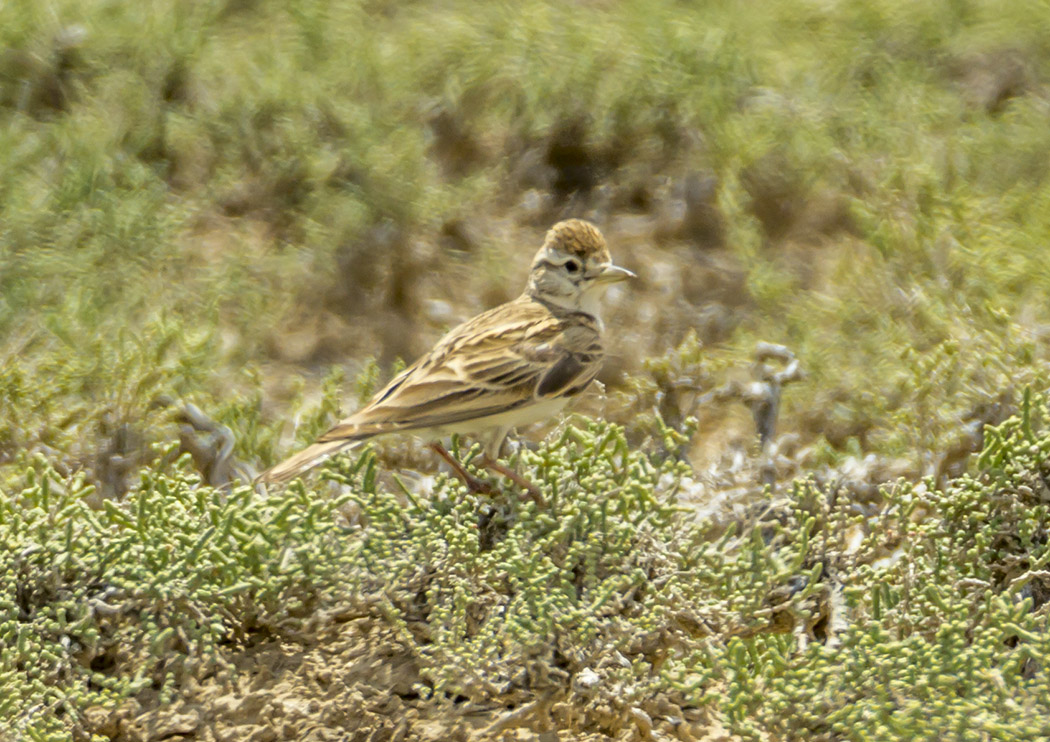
504 359
509 357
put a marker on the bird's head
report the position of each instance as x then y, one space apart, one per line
573 268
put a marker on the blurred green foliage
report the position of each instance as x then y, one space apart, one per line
181 183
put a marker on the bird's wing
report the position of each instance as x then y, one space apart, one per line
509 357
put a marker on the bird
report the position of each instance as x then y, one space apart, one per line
518 363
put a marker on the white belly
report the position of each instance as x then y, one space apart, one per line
544 410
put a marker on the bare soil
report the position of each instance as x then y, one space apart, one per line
351 683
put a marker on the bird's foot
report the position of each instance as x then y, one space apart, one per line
474 485
477 486
529 487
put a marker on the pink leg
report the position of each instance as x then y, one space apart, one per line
474 485
533 490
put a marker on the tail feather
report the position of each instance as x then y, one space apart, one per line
303 461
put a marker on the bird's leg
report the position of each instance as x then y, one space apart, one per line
474 485
490 463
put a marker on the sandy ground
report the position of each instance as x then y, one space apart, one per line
349 685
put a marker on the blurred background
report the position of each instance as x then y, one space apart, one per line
261 208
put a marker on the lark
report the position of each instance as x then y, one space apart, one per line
513 365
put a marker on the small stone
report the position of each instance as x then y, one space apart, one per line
160 724
263 734
586 679
439 312
643 721
102 721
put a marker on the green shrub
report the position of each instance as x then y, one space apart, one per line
922 618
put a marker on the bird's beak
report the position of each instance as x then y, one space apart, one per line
614 274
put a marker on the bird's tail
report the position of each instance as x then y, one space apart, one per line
303 461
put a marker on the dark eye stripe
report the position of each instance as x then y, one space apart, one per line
548 264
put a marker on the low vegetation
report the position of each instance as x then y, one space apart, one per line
613 610
224 222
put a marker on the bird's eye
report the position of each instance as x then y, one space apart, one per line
572 265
